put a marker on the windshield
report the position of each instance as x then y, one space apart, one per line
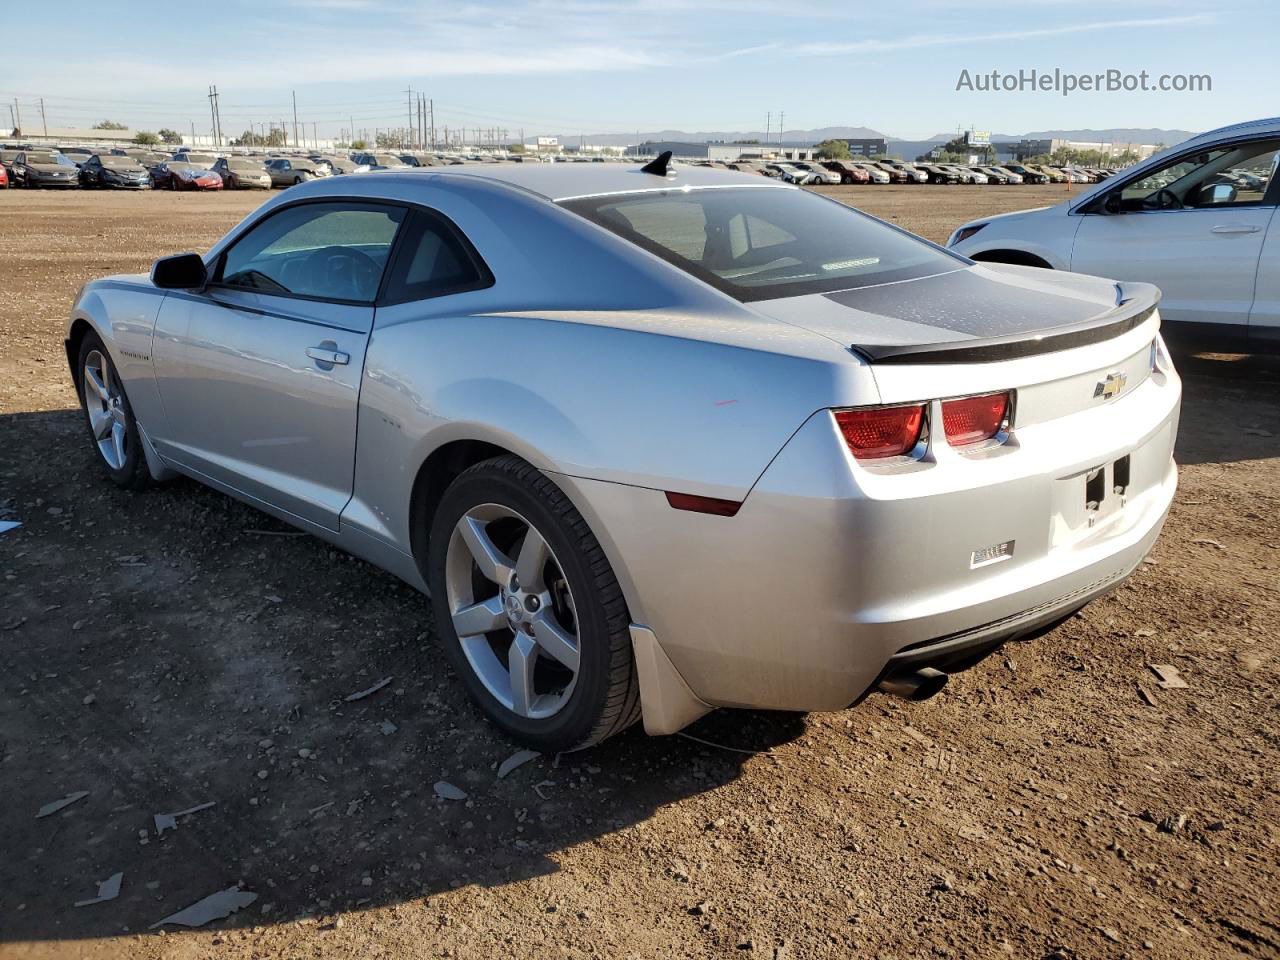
118 162
758 243
245 165
384 160
46 158
199 158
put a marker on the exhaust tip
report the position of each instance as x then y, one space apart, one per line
914 685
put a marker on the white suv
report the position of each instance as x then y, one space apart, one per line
1197 220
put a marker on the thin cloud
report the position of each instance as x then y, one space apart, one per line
920 41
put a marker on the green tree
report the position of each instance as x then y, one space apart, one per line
145 138
110 125
962 151
272 138
832 150
359 145
516 148
170 136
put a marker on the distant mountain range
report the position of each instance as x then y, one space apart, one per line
728 136
1110 135
806 137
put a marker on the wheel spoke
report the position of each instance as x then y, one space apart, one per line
100 422
554 641
117 443
534 553
480 617
94 379
493 563
521 659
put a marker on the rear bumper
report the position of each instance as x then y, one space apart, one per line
830 576
35 181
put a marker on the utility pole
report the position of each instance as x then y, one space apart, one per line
213 113
295 117
781 118
43 122
432 110
17 112
193 133
768 127
315 136
409 93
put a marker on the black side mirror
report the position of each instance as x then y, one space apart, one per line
1114 203
186 271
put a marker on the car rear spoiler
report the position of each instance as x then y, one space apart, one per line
1135 303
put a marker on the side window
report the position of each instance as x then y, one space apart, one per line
434 260
329 251
1223 177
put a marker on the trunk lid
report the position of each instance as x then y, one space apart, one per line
1061 343
978 314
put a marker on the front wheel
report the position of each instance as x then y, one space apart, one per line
528 609
112 426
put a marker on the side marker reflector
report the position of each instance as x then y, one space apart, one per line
712 505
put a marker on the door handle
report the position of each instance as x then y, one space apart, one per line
1236 228
324 355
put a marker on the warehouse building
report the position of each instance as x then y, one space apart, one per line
870 147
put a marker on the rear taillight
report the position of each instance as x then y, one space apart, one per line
880 432
973 419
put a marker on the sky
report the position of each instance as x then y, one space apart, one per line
617 66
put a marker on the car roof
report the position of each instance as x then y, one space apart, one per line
1269 125
563 181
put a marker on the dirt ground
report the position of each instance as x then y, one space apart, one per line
166 649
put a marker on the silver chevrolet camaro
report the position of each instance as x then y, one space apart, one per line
655 440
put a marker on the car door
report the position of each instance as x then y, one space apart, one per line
1194 227
1264 318
259 373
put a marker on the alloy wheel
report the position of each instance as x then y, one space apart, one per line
512 610
104 402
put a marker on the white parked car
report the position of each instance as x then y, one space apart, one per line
914 174
1196 220
790 173
820 174
966 174
877 175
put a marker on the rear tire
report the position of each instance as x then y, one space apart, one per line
580 683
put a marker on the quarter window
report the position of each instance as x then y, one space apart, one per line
326 251
433 261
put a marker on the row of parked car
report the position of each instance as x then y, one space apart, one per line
136 168
897 171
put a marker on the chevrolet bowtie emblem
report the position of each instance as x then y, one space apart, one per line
1109 387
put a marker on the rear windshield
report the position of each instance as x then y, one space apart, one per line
762 243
